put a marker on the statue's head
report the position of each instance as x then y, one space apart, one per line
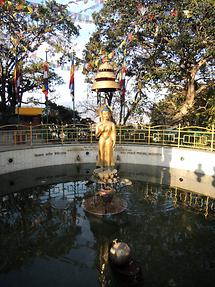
105 112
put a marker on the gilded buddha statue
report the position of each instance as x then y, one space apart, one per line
106 132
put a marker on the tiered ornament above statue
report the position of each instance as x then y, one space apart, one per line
105 80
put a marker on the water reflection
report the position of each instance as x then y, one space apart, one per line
29 229
171 232
199 172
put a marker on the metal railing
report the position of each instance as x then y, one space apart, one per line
197 202
187 137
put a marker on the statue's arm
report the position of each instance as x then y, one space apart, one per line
98 130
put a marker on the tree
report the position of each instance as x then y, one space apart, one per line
204 108
136 105
60 114
24 27
170 46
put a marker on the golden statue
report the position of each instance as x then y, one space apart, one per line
106 131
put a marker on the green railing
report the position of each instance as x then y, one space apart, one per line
192 137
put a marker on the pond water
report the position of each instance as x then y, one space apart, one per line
171 232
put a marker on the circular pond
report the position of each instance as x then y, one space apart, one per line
47 239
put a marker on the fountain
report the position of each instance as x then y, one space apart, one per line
105 200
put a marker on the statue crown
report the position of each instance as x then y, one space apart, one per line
105 109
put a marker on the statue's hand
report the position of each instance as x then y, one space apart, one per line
114 145
103 128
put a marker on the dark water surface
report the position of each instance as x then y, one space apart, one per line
171 232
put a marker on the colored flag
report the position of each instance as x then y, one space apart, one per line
104 59
122 80
17 80
188 13
19 6
96 62
45 88
72 78
130 37
174 12
110 55
123 43
5 3
2 3
30 9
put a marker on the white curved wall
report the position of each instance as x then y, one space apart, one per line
185 159
193 170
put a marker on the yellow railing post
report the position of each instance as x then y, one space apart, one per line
15 135
2 141
120 134
179 134
31 134
212 138
91 133
76 134
47 134
162 137
62 134
149 135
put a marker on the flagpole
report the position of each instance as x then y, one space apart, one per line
123 116
16 82
46 103
73 55
18 113
73 101
17 96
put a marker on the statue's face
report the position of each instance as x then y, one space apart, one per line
105 115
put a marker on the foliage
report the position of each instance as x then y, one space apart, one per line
171 47
59 114
203 112
23 29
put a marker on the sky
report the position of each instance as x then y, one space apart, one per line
62 91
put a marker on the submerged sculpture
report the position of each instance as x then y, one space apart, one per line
106 132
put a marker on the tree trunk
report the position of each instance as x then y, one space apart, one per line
109 97
189 102
12 95
191 92
133 107
3 91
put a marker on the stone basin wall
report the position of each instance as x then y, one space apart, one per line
185 168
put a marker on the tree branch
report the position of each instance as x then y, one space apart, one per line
204 87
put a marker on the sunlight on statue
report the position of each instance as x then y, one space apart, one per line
106 132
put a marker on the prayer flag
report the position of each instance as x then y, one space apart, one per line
122 80
17 80
72 78
188 13
45 88
110 55
5 3
123 43
19 6
30 9
174 12
130 37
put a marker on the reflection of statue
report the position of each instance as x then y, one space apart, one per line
106 132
